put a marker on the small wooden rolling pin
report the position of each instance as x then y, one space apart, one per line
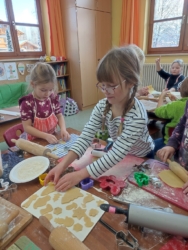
34 148
61 238
178 170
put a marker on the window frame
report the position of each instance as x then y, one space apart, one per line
183 47
11 22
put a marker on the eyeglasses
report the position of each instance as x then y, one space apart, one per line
104 89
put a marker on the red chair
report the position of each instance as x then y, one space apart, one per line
13 133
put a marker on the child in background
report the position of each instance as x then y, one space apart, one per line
40 110
173 111
174 77
125 117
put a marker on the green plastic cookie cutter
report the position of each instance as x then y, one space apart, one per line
141 179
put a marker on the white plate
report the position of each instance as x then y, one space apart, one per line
29 169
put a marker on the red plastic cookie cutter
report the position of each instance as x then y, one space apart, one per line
113 183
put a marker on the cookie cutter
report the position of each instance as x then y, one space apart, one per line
155 181
86 183
112 183
42 178
6 189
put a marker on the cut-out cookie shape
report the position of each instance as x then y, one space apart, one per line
71 206
50 189
56 197
79 213
48 216
88 198
93 212
31 198
88 222
78 227
46 210
41 201
68 222
99 203
71 195
57 210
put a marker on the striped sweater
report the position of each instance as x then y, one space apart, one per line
134 139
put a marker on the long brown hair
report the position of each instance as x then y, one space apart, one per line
117 64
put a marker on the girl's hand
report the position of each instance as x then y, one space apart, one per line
143 91
51 139
165 153
71 179
158 60
53 175
185 188
164 93
65 135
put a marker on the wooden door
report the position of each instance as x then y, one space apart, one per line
103 37
104 5
87 52
88 4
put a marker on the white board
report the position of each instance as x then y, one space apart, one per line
94 204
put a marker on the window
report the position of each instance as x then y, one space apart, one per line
168 28
21 32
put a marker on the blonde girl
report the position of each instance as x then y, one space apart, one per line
175 77
40 110
124 116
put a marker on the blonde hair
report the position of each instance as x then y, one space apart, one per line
179 61
184 88
43 73
117 64
140 54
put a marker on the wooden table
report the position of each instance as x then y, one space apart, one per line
99 238
9 121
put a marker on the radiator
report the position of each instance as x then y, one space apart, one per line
151 77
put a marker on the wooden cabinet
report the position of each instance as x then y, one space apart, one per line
87 32
61 70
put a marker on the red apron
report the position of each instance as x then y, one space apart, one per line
46 125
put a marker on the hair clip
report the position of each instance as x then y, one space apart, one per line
122 119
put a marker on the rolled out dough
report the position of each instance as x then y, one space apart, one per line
172 180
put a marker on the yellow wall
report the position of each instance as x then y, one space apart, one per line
144 23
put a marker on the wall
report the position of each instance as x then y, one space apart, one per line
143 29
21 78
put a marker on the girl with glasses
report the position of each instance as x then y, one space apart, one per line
125 117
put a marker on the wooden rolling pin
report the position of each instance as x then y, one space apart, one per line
61 238
178 170
34 148
4 224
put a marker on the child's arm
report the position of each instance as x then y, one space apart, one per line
161 97
61 122
28 128
158 64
